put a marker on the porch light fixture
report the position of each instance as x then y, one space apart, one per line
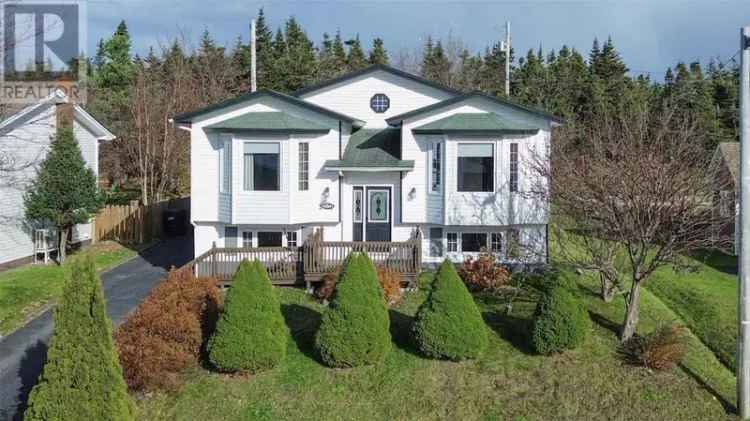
412 193
324 203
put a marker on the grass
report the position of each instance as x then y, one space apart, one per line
705 299
508 382
27 289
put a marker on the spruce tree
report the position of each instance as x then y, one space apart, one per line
82 379
355 327
355 60
64 191
448 324
251 333
378 54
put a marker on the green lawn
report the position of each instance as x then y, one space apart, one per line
705 299
508 383
23 291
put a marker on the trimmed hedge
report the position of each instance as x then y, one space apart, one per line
251 333
448 324
560 321
167 332
355 328
82 379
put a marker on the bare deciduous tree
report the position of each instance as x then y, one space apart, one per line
631 192
154 151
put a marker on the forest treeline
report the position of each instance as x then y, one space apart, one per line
137 95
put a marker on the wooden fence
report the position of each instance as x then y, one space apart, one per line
311 261
134 223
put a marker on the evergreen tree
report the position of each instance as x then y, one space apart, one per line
82 379
64 191
492 76
355 327
378 54
251 334
116 67
112 79
296 61
448 324
355 60
436 65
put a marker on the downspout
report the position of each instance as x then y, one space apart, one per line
341 183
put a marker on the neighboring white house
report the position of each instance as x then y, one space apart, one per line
370 156
25 138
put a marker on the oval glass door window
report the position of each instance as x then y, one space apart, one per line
378 205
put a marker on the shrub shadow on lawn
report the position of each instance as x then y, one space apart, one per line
516 330
303 323
30 367
401 325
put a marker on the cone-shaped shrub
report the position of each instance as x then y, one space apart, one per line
355 327
449 324
560 322
82 379
251 333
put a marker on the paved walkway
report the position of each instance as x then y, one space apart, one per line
22 353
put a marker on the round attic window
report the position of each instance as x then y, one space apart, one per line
380 103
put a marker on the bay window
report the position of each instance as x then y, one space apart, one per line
262 167
476 167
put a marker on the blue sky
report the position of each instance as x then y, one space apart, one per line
649 34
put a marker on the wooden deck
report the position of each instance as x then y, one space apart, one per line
307 264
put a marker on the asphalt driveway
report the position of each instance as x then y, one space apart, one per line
23 352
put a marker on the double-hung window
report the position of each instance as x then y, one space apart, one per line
436 166
291 239
247 239
452 240
513 181
304 166
262 166
496 242
476 167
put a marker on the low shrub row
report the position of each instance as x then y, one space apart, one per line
168 330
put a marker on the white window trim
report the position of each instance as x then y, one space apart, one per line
431 152
225 146
285 240
282 168
458 242
241 238
299 166
495 148
362 210
387 220
518 167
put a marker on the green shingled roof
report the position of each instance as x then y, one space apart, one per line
274 121
372 149
474 123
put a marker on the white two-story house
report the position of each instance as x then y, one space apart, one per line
371 156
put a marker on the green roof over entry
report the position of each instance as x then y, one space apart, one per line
372 150
474 123
274 121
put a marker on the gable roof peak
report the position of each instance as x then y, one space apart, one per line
371 69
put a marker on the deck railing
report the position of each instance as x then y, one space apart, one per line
311 261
